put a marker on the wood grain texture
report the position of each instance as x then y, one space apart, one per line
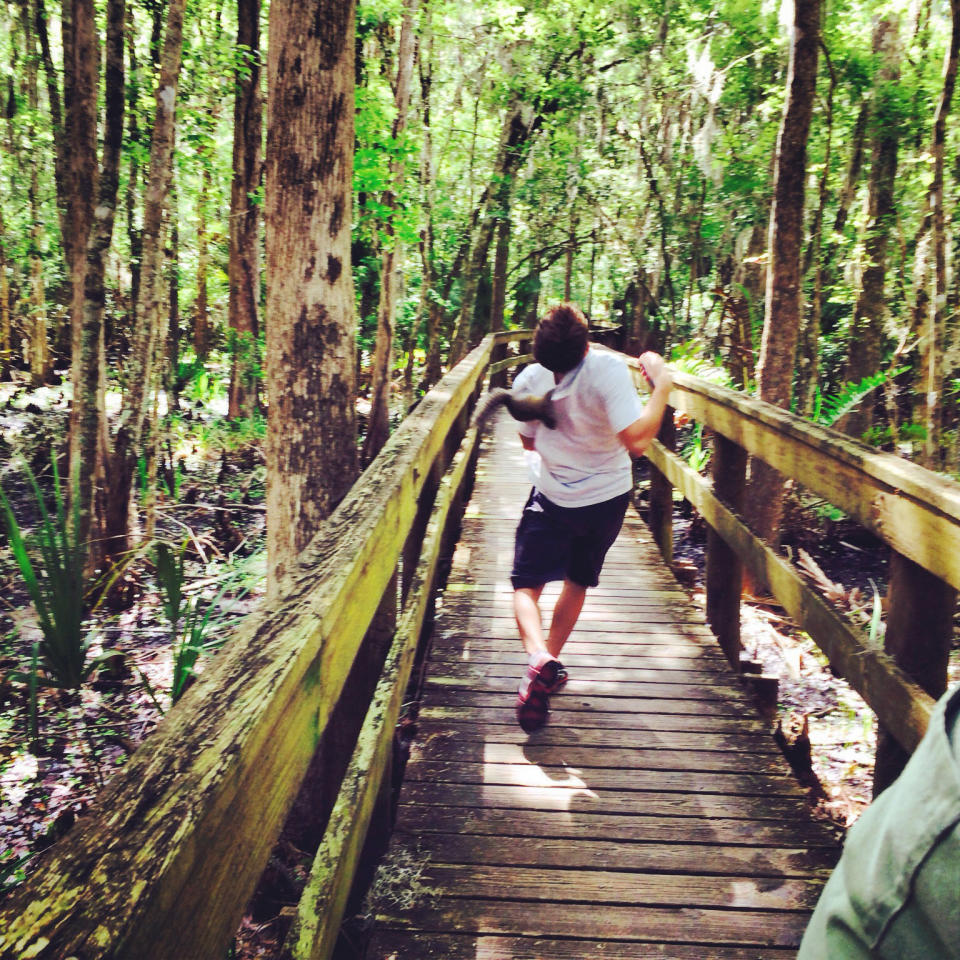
651 817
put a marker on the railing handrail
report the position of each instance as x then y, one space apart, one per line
165 864
915 511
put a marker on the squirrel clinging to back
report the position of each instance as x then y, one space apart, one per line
520 408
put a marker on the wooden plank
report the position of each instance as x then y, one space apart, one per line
581 798
669 649
678 778
191 819
577 825
572 707
914 510
900 705
603 885
701 860
613 922
602 688
393 945
597 748
610 729
471 670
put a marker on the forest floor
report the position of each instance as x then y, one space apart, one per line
212 509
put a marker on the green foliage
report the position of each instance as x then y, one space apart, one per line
189 621
829 409
688 358
694 451
52 564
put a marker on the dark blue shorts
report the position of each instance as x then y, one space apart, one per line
564 543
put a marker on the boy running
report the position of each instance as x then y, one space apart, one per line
582 476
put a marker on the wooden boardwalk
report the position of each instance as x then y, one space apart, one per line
652 816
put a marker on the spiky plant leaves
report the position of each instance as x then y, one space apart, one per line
55 577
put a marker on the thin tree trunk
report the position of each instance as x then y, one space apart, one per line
134 236
520 125
81 56
930 272
378 429
88 405
39 350
310 363
782 311
201 315
866 331
808 369
140 366
854 168
243 310
4 307
173 304
56 114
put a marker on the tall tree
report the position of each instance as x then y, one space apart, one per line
310 363
243 308
89 407
391 257
930 270
141 367
782 308
521 122
866 329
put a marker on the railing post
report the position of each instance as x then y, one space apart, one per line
724 569
918 637
661 493
411 549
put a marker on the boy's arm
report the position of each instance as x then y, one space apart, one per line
641 433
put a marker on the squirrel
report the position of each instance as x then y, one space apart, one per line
520 408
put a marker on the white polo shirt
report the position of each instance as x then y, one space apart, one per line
582 461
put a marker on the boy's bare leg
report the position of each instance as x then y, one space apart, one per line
565 616
526 608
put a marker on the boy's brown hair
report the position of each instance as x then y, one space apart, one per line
560 340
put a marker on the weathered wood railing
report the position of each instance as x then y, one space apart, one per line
165 865
914 511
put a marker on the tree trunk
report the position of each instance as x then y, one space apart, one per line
521 123
81 58
140 368
432 365
201 308
808 370
310 365
87 451
930 272
782 310
4 307
866 330
56 115
39 350
173 305
392 256
243 310
134 237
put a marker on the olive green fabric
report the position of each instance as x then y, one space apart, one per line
895 894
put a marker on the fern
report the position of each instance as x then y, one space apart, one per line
687 358
829 409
